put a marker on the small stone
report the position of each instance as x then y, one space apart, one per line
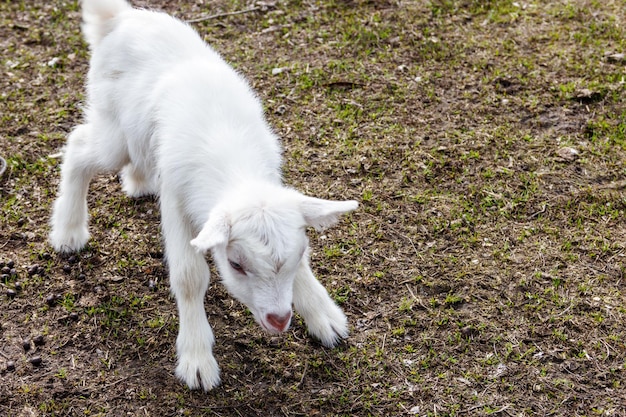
73 316
11 264
10 366
81 277
276 71
26 345
53 62
20 222
13 272
5 270
275 342
18 286
41 271
618 57
586 96
67 269
5 277
72 259
568 154
11 293
45 256
152 285
281 109
469 331
51 299
33 270
39 340
35 360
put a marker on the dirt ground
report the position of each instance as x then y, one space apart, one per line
483 273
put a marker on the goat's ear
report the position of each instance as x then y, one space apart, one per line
320 214
215 232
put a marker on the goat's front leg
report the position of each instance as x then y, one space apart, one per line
189 280
324 319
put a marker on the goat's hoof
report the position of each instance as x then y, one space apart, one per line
199 372
69 239
330 327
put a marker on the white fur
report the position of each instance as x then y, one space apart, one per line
165 110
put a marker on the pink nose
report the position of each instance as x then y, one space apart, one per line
279 323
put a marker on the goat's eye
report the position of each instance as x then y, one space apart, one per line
237 267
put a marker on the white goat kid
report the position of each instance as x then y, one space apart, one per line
167 111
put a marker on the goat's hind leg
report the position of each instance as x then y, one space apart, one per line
82 159
137 182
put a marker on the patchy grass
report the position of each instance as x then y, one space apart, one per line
483 273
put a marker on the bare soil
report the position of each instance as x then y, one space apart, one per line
483 273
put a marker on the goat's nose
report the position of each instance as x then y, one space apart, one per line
279 322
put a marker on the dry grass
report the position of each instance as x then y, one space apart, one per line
482 275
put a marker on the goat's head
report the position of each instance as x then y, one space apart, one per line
258 241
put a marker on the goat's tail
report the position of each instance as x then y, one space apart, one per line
98 16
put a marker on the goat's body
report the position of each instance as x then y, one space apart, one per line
160 95
167 111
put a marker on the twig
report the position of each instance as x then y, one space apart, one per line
121 380
616 185
3 165
543 210
218 15
501 409
405 237
467 410
306 366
